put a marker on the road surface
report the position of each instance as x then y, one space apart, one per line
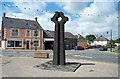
90 54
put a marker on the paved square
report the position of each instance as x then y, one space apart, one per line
69 67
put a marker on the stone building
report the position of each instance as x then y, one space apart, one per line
70 40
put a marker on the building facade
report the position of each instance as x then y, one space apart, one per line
21 34
100 41
70 40
81 41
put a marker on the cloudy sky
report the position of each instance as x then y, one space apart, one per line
85 16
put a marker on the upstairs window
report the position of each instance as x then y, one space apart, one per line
14 32
36 33
28 33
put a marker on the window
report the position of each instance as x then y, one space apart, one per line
14 32
36 33
10 44
36 42
28 33
14 43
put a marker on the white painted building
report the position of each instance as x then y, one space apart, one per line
100 41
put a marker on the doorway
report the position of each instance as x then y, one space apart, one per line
28 45
49 45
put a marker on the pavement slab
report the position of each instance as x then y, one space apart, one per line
23 67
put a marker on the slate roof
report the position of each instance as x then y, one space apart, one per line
101 38
20 23
50 34
81 38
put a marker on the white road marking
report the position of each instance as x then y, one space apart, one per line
83 56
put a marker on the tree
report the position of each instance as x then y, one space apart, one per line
117 40
90 38
111 42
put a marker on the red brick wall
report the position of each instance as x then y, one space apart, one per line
2 35
22 34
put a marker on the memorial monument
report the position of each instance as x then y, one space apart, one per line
59 62
59 51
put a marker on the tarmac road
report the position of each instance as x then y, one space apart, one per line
94 55
90 54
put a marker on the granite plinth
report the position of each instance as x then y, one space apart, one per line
68 67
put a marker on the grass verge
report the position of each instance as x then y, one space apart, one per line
116 51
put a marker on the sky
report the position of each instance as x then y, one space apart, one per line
85 16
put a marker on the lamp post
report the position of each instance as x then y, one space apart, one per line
111 40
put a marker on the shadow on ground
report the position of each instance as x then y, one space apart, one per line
69 67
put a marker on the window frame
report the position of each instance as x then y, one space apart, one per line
14 40
38 42
26 33
11 32
34 33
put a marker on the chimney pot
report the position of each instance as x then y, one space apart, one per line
4 14
36 18
78 35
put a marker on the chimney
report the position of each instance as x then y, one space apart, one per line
78 35
36 19
4 14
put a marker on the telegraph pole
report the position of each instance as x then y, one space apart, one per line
111 40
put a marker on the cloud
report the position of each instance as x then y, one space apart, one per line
31 7
103 18
74 7
98 18
45 21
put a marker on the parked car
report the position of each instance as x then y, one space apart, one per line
79 48
90 47
85 47
103 48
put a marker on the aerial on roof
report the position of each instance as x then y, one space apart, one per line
20 23
101 38
50 34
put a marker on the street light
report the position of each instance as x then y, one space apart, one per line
111 41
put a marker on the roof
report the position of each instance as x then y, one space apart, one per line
80 38
50 34
101 38
20 23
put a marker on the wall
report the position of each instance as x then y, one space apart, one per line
22 34
100 42
82 43
70 43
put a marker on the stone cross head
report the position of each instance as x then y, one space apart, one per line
58 15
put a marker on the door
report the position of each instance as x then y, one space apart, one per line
49 45
27 45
